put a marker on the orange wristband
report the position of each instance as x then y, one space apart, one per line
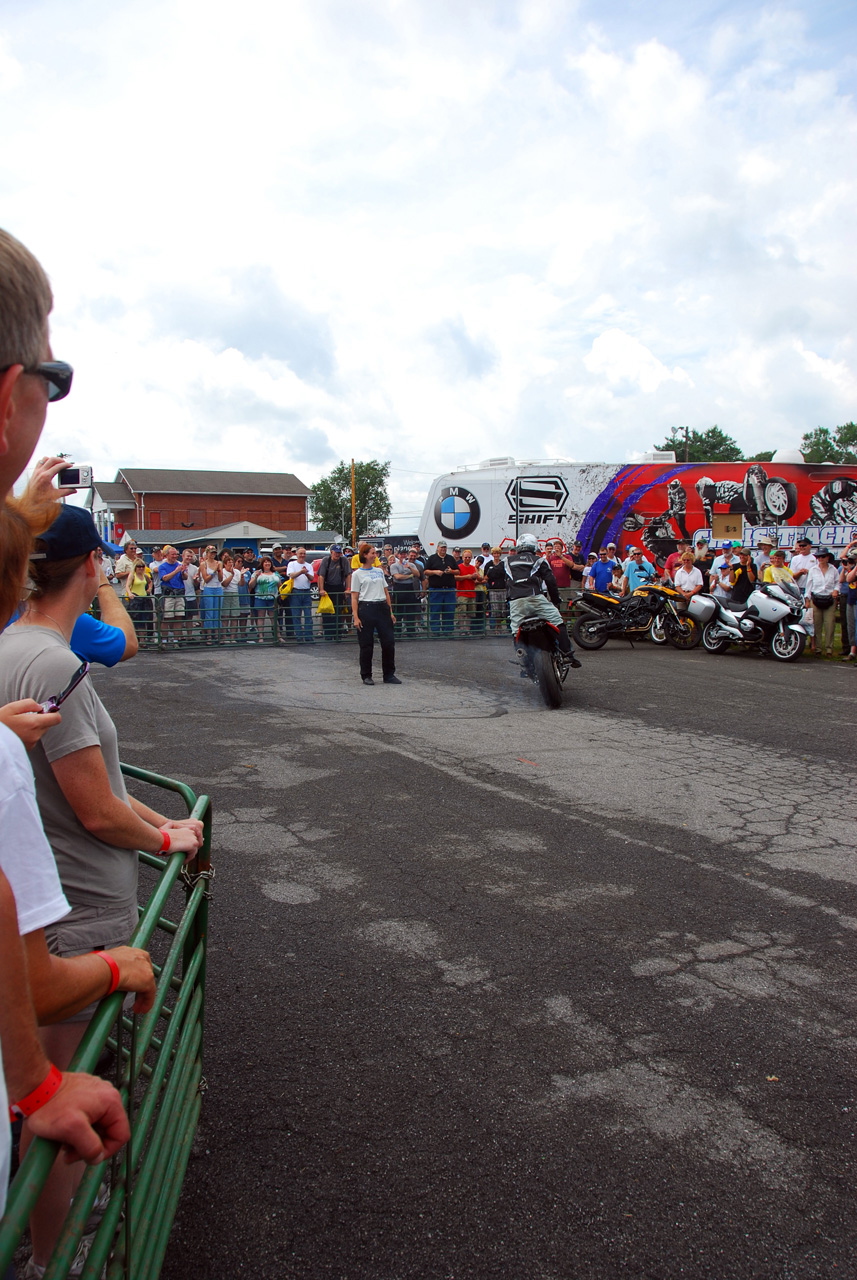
114 968
39 1096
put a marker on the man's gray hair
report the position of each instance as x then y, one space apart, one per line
25 304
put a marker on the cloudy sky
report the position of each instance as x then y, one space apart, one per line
434 231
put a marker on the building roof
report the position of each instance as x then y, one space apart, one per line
274 484
234 532
112 493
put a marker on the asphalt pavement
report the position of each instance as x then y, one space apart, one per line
497 991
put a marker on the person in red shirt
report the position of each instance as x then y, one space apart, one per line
561 564
465 587
674 561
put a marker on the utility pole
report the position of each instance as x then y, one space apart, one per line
686 443
353 510
517 506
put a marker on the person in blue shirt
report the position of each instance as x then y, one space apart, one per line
638 571
108 641
601 573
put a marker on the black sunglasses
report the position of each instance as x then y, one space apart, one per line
56 373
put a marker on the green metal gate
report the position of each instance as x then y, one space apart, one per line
158 1071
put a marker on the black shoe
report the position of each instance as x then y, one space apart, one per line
573 660
392 680
368 680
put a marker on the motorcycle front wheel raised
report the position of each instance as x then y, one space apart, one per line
549 682
589 633
787 646
711 641
683 633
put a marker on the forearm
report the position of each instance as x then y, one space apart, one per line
148 815
117 823
114 613
24 1062
61 987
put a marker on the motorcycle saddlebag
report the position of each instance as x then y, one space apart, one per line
703 608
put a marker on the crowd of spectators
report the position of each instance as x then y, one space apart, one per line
238 596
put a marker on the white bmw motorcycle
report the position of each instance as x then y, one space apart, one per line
771 620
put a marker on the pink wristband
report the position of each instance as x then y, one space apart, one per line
39 1096
114 968
165 847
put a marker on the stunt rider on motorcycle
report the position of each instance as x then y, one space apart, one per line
530 582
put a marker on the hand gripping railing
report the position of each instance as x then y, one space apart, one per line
159 1077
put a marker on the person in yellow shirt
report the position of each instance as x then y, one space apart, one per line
778 570
355 562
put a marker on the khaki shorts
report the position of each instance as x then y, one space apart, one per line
174 606
88 929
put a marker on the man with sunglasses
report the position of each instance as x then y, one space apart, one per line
71 1107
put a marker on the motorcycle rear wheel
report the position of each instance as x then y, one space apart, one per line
589 632
548 678
683 634
787 646
709 642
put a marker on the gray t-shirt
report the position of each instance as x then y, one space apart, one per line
35 662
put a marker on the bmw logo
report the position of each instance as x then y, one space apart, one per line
456 512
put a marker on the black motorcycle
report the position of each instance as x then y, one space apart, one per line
652 610
541 660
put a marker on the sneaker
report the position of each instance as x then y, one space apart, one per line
392 680
32 1272
368 680
573 660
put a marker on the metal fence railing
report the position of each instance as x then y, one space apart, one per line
157 1067
416 620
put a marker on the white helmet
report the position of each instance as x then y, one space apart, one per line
527 542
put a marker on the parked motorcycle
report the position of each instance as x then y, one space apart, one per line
541 660
770 621
652 610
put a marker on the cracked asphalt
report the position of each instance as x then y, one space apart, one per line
502 992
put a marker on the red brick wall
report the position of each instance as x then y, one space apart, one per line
172 510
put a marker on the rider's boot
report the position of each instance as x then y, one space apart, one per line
564 641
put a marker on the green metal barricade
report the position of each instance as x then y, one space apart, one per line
158 1071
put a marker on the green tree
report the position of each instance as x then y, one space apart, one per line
330 498
765 456
818 446
821 445
712 445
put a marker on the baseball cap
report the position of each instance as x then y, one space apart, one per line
803 542
73 533
277 546
765 541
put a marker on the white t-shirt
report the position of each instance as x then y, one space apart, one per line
370 585
803 560
301 575
687 579
25 855
28 864
190 582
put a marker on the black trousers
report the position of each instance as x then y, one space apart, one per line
376 617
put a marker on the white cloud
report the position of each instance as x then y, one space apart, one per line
622 358
408 230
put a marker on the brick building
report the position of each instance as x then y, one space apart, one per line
145 498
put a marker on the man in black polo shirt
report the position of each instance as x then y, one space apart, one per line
441 574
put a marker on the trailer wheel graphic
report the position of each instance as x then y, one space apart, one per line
781 498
